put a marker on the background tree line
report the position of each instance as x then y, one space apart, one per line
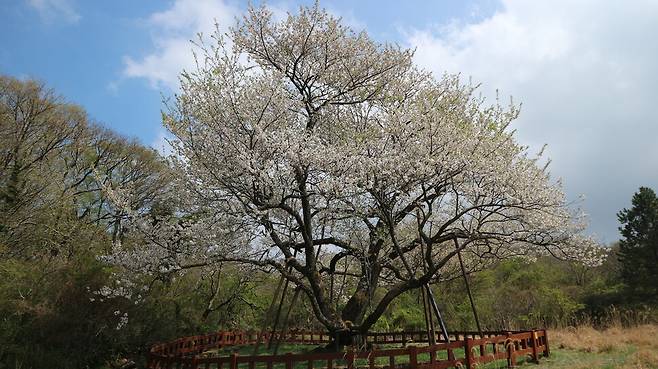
56 223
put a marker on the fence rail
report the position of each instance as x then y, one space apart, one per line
466 350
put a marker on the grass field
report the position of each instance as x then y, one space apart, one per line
613 348
573 348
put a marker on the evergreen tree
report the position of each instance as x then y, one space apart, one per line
638 251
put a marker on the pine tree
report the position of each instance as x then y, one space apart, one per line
638 251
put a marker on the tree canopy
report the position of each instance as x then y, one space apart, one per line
638 249
309 149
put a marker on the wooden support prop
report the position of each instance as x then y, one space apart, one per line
468 288
278 315
286 319
429 320
435 307
278 311
428 316
432 326
270 310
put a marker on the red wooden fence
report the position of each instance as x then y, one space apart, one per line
466 350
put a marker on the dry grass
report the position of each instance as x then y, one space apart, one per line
589 339
626 348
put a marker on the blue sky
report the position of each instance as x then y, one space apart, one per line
584 71
79 48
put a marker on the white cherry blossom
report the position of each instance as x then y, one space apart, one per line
311 150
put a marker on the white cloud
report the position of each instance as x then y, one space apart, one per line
172 31
55 10
348 18
161 143
586 74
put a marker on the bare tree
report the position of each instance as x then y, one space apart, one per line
53 166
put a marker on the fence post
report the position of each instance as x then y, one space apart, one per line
509 345
468 352
535 355
547 350
349 357
289 360
234 360
413 357
149 360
